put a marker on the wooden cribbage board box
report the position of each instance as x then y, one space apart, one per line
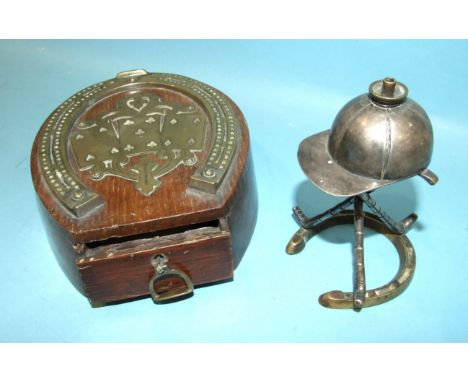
146 185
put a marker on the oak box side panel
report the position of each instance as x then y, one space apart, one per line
242 212
65 251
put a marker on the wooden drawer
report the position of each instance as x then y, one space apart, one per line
120 269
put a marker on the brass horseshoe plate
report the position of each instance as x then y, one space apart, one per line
63 134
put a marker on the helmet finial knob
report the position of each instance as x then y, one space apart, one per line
388 87
388 92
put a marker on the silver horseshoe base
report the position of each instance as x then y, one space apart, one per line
352 300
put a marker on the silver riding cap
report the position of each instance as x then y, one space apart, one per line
376 139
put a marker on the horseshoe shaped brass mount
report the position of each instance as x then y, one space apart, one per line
162 272
345 300
55 147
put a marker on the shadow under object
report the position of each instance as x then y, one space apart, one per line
376 139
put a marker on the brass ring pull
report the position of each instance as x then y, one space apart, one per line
170 287
345 300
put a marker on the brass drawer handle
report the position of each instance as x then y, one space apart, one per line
163 273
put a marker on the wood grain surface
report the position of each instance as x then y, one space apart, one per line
207 253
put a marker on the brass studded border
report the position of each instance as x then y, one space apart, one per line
54 162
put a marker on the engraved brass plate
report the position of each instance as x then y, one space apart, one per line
141 140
